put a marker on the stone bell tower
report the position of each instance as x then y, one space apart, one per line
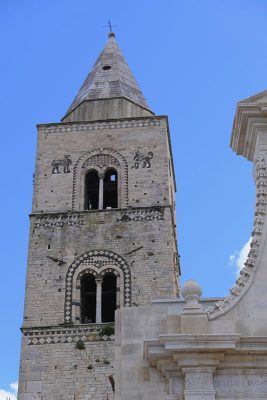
102 233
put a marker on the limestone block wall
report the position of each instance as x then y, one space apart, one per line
135 379
155 359
142 238
137 241
52 368
142 183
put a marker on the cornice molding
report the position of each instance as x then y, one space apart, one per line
177 347
101 125
249 118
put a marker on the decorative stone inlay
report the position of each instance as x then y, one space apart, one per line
91 126
101 161
97 258
60 334
65 163
152 214
246 274
140 158
53 221
101 274
36 396
101 156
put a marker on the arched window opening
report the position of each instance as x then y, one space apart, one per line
111 189
88 299
91 193
109 289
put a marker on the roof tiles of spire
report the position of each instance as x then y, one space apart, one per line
110 78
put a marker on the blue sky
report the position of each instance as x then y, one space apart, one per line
194 60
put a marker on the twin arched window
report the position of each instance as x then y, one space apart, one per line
98 298
101 189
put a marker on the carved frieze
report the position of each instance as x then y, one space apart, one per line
241 384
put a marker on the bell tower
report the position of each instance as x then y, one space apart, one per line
102 233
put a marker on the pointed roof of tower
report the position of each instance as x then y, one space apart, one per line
110 78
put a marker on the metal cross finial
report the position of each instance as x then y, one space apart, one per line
110 26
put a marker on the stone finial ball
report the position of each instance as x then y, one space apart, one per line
191 290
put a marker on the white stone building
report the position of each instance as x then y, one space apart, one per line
103 239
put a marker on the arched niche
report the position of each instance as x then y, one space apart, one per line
98 263
101 160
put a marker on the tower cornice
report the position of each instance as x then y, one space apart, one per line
106 124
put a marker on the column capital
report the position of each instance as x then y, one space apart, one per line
101 175
99 279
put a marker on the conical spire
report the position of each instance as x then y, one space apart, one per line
110 78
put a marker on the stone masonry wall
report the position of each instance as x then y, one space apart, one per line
142 237
62 372
137 240
146 186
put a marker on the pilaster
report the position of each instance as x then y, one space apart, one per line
199 383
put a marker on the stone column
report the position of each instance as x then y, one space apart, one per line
101 177
98 318
199 383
